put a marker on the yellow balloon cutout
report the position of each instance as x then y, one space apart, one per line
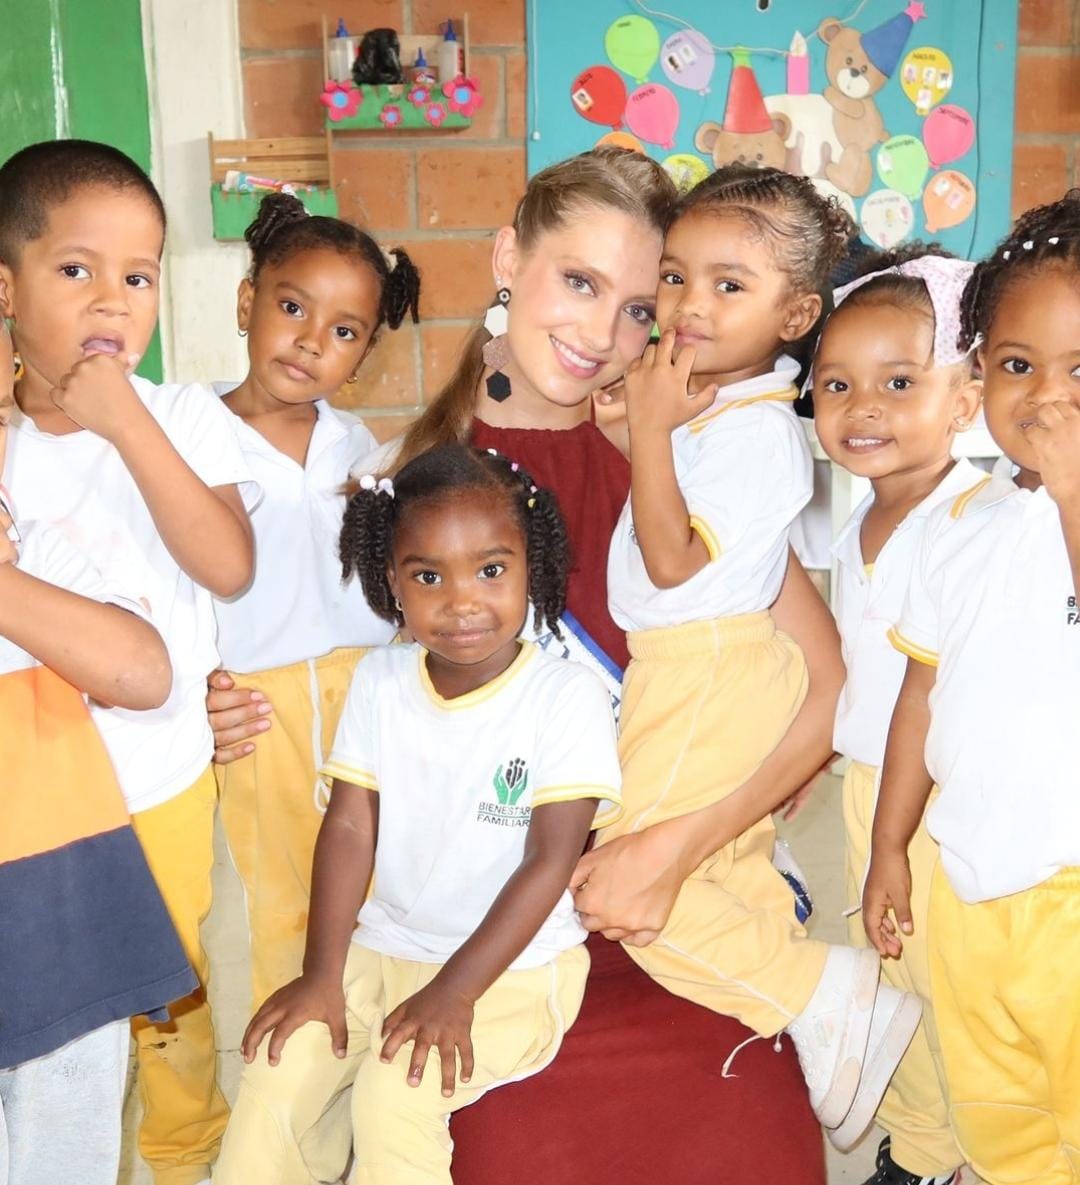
927 77
621 140
685 170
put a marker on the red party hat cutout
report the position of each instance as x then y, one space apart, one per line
745 111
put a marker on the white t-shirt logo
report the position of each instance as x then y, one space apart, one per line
509 781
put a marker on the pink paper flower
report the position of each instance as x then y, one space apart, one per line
462 95
435 113
419 95
390 116
341 99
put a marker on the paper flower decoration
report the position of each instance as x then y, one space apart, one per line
435 113
390 116
341 99
462 95
419 95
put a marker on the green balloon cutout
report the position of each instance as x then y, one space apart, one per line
902 164
633 45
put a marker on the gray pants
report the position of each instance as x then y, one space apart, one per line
60 1114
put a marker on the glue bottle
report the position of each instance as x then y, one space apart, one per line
451 56
420 72
341 53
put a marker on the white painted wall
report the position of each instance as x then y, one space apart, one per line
193 76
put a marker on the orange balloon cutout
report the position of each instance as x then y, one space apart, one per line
947 200
621 140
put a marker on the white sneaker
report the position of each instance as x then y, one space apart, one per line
832 1031
896 1017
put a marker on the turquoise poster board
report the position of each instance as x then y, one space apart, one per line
903 110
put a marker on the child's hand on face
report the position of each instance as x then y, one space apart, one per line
97 395
888 887
437 1015
1055 439
656 388
306 998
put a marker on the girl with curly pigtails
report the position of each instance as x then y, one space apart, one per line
317 295
467 772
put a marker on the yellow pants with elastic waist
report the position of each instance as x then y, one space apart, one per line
294 1123
914 1110
703 705
1005 979
272 804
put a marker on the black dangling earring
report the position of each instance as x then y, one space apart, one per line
502 295
496 353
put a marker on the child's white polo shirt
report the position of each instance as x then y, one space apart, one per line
80 484
867 607
297 607
458 781
745 472
991 603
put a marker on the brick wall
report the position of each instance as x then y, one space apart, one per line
442 195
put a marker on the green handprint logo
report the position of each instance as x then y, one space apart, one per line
510 782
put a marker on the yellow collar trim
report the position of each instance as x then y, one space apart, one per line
961 503
471 698
786 395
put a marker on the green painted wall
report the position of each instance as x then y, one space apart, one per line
75 68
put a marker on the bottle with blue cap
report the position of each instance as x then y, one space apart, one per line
451 56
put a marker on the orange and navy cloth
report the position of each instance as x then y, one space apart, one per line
84 935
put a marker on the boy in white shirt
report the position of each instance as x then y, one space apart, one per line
144 480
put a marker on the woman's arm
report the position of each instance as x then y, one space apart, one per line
630 885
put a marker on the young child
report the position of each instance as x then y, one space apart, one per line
85 936
143 479
466 774
318 293
719 469
988 711
891 389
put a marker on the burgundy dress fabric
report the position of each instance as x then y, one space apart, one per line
636 1095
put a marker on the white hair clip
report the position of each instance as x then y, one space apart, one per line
1006 254
391 259
377 486
1028 244
1053 240
385 486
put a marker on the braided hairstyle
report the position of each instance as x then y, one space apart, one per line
1043 237
373 515
283 228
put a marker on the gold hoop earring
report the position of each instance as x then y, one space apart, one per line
20 369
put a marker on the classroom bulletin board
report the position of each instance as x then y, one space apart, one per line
902 110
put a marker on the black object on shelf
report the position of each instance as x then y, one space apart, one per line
379 58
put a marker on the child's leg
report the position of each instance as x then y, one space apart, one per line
914 1110
184 1112
1006 992
62 1112
402 1135
290 1124
272 804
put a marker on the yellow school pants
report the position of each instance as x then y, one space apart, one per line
1006 989
914 1110
703 705
184 1112
293 1123
272 804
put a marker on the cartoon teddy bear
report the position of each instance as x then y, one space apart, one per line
749 135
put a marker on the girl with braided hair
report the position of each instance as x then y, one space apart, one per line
467 941
318 293
988 711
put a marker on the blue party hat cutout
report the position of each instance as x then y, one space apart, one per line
885 44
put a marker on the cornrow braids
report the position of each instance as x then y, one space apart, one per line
1043 237
283 228
373 514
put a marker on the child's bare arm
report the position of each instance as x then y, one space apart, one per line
905 787
113 656
205 529
441 1013
341 870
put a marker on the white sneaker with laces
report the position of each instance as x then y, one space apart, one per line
832 1031
896 1017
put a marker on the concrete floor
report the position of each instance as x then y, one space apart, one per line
815 837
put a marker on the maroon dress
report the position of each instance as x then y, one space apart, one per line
636 1095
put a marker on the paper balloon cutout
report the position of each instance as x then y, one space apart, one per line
688 60
887 218
621 140
685 169
599 94
948 200
633 44
652 114
948 133
902 164
927 77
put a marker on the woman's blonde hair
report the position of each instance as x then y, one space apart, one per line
605 178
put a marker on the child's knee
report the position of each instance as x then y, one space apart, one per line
388 1113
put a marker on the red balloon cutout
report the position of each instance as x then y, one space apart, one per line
599 94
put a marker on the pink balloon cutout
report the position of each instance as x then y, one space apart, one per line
652 114
948 133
